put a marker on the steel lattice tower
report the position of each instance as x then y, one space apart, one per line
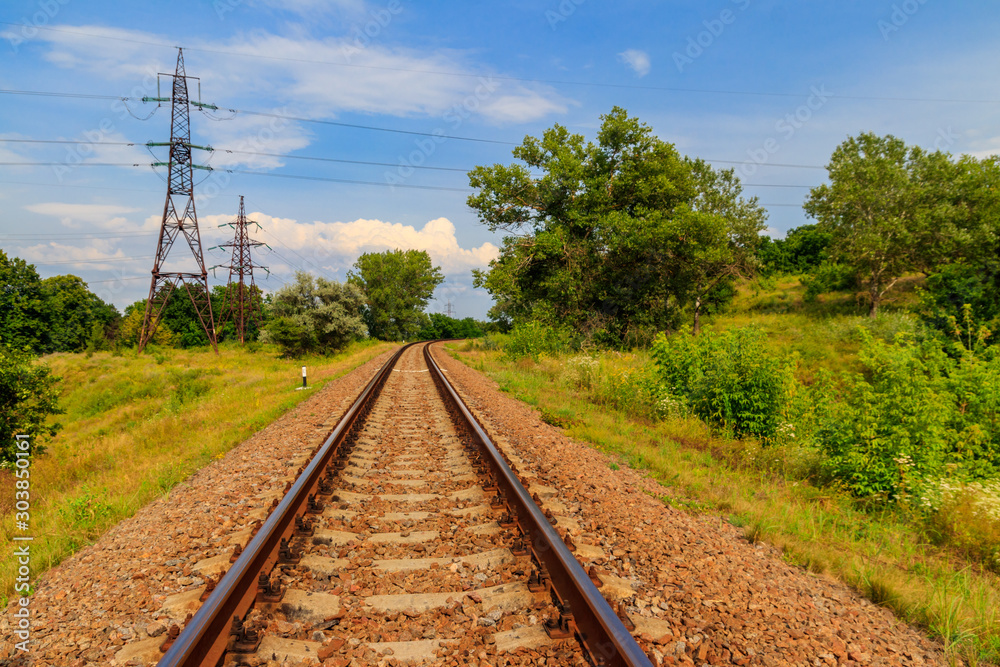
240 303
179 219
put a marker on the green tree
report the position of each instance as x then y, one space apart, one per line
28 397
442 326
315 314
397 285
802 250
22 304
722 237
889 210
604 239
131 326
71 313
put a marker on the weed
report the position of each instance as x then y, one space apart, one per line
754 532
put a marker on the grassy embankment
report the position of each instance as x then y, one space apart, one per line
888 555
136 425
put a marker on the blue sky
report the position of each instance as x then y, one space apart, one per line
749 84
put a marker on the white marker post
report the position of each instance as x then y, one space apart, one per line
304 386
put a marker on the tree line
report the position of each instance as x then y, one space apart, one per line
616 240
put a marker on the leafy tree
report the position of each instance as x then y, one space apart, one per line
889 210
223 310
315 314
802 250
71 312
613 237
28 396
722 237
397 285
131 327
22 304
442 326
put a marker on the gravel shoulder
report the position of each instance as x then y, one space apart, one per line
696 590
129 586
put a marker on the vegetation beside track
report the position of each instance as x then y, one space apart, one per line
135 425
926 567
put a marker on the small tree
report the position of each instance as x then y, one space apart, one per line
28 396
315 314
397 285
877 210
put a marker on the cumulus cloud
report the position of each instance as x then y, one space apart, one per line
637 60
98 255
334 246
101 216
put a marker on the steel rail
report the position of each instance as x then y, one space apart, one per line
600 630
204 639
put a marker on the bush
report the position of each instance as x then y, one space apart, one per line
28 397
293 337
729 379
914 415
829 277
958 292
535 339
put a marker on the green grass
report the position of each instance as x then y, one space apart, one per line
765 491
137 425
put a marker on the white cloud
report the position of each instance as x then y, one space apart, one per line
101 216
984 148
318 78
637 60
99 255
334 246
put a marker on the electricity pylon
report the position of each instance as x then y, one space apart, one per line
241 299
179 219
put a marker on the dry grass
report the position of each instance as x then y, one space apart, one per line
136 425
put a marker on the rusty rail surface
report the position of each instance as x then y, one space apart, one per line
204 639
597 625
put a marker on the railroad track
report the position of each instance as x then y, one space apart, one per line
407 538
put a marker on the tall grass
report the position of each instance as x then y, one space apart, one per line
611 401
136 425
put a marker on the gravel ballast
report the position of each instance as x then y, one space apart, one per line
697 592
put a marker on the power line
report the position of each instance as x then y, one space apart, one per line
302 119
324 179
364 162
235 151
480 75
109 260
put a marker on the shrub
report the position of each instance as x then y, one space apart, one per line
729 379
535 339
828 277
293 337
914 414
28 396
